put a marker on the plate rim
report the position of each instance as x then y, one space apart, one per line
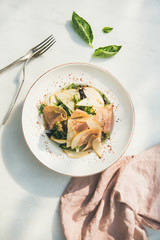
104 70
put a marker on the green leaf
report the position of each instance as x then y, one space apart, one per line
60 104
87 109
107 29
105 136
76 99
40 109
58 131
73 86
83 28
107 51
105 99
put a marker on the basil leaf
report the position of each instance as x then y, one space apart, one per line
107 29
83 28
107 51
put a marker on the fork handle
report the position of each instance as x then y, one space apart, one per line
16 96
12 64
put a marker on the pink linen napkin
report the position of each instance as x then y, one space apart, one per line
116 203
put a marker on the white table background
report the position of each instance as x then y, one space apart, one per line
29 192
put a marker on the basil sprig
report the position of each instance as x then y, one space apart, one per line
107 51
83 28
107 29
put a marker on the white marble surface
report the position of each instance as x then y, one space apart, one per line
29 192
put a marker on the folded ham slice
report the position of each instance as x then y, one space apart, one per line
104 116
79 114
74 127
53 114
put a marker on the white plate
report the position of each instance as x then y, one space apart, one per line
48 152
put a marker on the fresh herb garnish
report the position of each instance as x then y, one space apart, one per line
105 136
107 51
105 99
40 109
107 29
83 28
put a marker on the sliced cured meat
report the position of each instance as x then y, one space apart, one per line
82 138
53 114
74 127
79 114
104 116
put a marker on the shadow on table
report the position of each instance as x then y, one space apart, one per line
57 231
21 164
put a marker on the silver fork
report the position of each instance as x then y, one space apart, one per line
34 52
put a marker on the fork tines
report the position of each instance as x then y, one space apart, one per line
45 45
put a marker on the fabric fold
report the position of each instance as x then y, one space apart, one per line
116 203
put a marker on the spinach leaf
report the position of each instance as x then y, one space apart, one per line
83 28
40 109
107 29
107 51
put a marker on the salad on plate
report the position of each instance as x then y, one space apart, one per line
78 118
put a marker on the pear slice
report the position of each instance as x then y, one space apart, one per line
49 99
97 146
89 102
52 100
92 93
93 124
74 154
89 144
81 138
46 99
66 98
60 141
70 132
73 92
